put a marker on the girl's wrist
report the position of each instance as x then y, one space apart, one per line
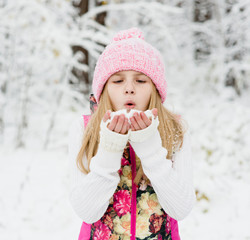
149 147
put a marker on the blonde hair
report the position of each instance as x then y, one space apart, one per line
170 128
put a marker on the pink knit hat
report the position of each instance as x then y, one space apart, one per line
129 51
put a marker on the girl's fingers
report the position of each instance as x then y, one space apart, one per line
155 112
134 123
119 124
106 116
140 123
113 123
145 119
128 127
125 126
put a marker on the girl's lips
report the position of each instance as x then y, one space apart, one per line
129 102
129 106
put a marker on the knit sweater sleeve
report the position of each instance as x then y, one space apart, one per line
172 181
89 194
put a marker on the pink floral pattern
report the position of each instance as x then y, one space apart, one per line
122 202
124 161
102 232
168 225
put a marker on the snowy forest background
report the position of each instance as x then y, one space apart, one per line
48 50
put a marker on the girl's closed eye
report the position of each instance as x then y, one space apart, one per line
140 81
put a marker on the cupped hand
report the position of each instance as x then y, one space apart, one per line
118 124
141 121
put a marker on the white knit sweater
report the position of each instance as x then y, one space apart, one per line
173 182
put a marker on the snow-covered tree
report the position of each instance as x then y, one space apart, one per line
36 63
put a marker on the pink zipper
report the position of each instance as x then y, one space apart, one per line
133 200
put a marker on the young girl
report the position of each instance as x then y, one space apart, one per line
130 178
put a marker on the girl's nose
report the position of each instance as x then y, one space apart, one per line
129 88
130 91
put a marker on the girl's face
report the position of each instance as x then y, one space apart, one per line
129 87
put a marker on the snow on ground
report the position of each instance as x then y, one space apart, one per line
34 202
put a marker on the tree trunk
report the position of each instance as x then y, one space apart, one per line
202 13
84 6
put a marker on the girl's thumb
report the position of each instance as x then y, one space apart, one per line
154 111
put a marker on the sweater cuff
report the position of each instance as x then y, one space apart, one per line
106 163
112 141
148 149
